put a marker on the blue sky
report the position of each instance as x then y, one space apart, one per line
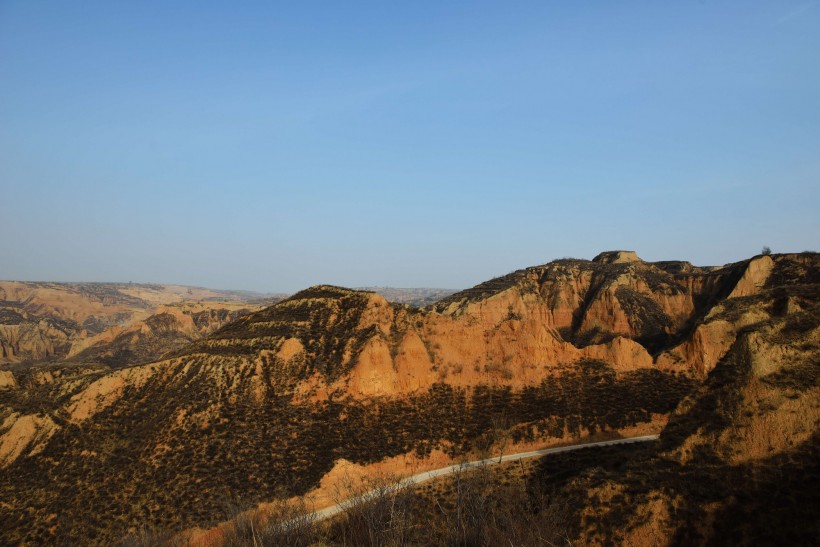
274 145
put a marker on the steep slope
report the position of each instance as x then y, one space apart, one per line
266 405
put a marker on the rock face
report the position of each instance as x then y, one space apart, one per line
272 399
754 277
617 257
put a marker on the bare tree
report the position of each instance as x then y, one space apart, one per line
378 513
284 523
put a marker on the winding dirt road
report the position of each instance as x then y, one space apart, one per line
418 478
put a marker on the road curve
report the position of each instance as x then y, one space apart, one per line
418 478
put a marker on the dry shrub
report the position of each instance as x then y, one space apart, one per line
283 523
482 512
150 537
378 513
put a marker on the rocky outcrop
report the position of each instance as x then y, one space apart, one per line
617 257
373 374
754 277
7 379
701 352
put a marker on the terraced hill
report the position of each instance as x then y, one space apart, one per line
269 404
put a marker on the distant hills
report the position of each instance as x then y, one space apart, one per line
111 324
414 297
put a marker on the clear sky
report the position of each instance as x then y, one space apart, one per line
271 146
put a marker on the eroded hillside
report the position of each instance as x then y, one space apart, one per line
738 461
269 403
49 322
514 330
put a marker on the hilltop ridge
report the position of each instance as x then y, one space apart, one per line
616 308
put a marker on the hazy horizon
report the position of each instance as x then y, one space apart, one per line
273 147
352 286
